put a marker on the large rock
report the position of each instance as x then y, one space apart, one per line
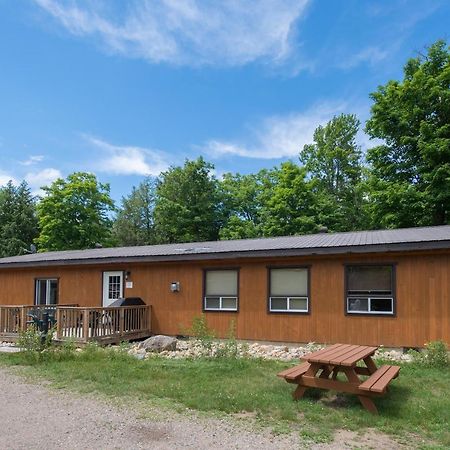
159 343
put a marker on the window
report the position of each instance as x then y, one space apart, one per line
370 289
46 291
221 290
288 290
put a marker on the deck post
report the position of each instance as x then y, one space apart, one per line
149 318
1 321
23 319
58 323
85 325
121 321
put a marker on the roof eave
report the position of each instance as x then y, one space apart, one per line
355 249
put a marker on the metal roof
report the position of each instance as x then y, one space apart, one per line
404 239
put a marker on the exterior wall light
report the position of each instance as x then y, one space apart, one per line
127 275
175 286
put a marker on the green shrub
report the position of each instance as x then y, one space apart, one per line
435 354
200 331
230 347
33 343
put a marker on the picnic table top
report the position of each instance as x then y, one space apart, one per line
340 355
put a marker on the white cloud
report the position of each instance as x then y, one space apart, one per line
278 136
190 32
5 177
369 55
33 159
43 177
127 160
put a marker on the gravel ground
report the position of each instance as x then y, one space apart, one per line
34 416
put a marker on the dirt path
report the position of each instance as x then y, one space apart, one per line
36 417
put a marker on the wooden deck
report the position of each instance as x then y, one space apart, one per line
81 325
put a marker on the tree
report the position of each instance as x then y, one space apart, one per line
288 202
188 205
18 222
334 165
242 204
410 171
74 213
134 224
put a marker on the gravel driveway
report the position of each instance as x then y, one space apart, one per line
33 416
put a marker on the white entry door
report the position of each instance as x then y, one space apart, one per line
112 287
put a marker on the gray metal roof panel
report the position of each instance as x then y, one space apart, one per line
383 240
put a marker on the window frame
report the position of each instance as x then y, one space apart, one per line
220 310
46 279
308 291
393 296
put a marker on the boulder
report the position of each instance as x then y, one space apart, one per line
159 343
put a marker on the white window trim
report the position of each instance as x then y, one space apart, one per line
221 308
391 312
47 290
288 304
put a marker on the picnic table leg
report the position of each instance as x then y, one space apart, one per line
367 402
370 365
326 371
299 391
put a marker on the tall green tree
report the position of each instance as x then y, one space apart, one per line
288 203
75 213
334 165
18 222
135 224
242 203
188 204
410 171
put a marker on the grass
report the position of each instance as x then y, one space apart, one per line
415 411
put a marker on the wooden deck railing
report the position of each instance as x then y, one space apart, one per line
104 325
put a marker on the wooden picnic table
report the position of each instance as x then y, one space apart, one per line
321 369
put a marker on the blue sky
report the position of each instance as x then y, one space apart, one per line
125 89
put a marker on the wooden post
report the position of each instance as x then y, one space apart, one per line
1 321
149 324
58 323
85 325
23 319
121 321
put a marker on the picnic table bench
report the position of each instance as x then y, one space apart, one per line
321 369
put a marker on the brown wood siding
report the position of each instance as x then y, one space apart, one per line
422 300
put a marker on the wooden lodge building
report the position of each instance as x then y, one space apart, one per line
389 287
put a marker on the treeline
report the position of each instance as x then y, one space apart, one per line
404 181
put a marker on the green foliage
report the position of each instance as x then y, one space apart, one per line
18 222
201 331
230 347
188 204
435 354
33 343
241 196
410 171
74 213
134 224
288 202
334 165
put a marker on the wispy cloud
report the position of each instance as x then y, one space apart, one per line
6 177
33 159
370 55
128 160
190 32
277 136
44 177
